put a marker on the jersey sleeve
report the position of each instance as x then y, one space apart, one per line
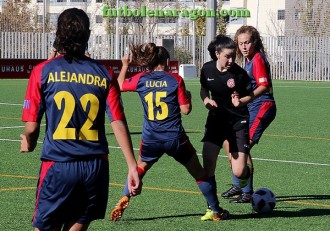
244 85
260 72
130 84
33 108
202 78
204 92
114 108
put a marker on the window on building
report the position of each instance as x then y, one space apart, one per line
40 19
53 19
125 19
280 14
78 0
99 1
137 19
297 14
40 0
131 19
98 18
167 19
236 19
280 40
98 39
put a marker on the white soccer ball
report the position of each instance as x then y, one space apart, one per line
263 200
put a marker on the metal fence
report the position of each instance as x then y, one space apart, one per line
291 58
299 58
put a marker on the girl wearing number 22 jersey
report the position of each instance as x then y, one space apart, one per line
73 92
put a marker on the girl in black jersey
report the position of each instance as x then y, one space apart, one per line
225 91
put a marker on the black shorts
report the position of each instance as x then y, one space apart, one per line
217 130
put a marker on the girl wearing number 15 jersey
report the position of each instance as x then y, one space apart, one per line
164 98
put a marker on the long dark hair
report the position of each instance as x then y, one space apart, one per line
72 33
219 43
148 54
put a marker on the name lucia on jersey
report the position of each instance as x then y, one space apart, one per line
156 83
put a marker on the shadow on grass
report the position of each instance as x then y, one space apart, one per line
165 217
302 197
281 213
309 212
275 213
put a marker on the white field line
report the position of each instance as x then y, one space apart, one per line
276 86
12 127
20 126
199 154
270 160
12 104
309 87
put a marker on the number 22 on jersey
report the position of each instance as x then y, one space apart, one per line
62 132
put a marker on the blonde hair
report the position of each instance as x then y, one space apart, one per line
255 39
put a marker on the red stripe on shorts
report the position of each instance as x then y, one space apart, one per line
45 166
263 109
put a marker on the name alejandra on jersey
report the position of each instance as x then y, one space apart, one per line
89 79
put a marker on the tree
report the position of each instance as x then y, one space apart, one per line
313 17
16 16
110 26
221 22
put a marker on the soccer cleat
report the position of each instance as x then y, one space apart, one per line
208 215
243 198
215 216
117 213
224 215
233 191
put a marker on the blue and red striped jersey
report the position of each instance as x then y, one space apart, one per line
161 95
258 70
74 97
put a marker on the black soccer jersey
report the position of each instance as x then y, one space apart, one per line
221 85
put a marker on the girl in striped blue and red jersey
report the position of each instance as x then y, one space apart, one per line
73 92
262 109
164 97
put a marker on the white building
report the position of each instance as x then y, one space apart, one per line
266 16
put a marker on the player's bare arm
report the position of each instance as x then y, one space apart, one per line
186 108
239 102
30 136
260 90
126 59
121 132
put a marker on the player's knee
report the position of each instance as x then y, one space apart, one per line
239 172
